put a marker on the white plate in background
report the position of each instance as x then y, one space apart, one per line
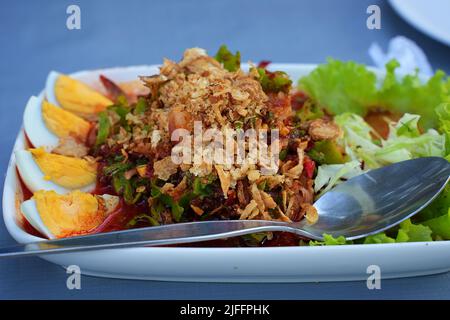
274 264
432 17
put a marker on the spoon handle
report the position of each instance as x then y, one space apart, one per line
153 236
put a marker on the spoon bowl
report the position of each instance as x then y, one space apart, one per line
380 199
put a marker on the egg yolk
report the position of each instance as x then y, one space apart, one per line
77 97
68 172
64 123
74 213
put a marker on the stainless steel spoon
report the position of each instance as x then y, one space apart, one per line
364 205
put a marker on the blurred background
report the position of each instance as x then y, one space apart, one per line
34 40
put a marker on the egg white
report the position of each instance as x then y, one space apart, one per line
33 177
50 87
31 213
35 127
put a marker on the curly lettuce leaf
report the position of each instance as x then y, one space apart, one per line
378 238
440 226
328 175
329 240
410 232
443 114
406 142
407 126
407 232
357 139
403 143
409 94
437 208
341 87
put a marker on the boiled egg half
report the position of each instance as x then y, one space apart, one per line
74 96
72 214
41 170
45 124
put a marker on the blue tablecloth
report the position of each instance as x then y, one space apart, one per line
35 40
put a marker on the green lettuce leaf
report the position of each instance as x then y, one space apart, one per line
443 114
410 232
440 225
341 87
378 238
403 143
329 240
357 139
409 94
328 175
406 142
437 208
407 232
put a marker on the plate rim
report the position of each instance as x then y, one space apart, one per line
410 17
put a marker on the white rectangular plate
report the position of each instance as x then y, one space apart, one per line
275 264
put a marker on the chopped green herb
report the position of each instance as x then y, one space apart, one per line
176 209
327 152
123 187
231 62
104 127
274 81
121 108
283 154
116 168
238 124
142 218
262 185
141 106
156 209
201 189
186 199
122 112
309 111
